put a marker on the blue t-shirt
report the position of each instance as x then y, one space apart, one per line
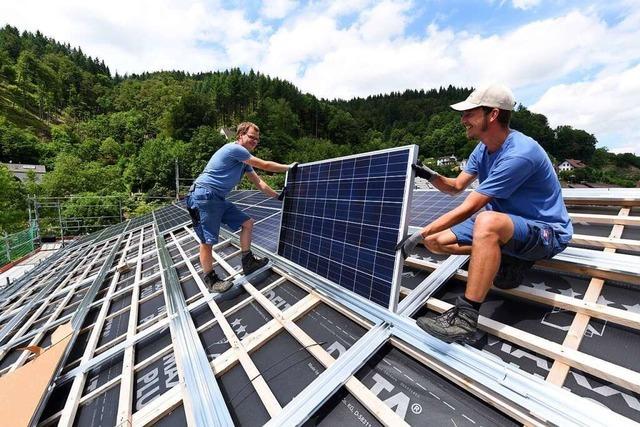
225 169
521 181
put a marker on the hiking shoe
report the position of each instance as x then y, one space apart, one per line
511 272
251 263
215 283
458 324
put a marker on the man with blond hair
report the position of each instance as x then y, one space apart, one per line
208 207
524 217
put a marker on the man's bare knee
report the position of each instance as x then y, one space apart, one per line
248 224
492 226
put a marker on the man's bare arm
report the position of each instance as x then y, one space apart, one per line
266 165
452 185
261 185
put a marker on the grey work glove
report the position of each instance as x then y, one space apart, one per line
424 172
409 243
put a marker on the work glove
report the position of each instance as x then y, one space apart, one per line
424 172
409 243
281 195
293 169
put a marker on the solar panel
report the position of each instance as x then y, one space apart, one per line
428 205
170 217
140 220
343 217
265 232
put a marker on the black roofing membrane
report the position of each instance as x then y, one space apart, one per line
518 357
344 410
331 329
102 374
598 210
412 277
214 341
151 308
618 399
614 343
601 230
56 400
175 418
153 380
631 232
620 295
248 319
99 412
421 396
243 402
285 295
152 344
286 366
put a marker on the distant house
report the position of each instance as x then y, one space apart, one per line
571 164
229 133
447 161
21 171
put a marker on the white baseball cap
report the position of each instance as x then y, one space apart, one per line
492 95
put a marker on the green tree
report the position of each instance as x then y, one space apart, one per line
12 202
192 111
155 164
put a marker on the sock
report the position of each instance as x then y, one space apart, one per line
475 305
245 253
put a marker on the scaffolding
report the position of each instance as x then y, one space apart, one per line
17 245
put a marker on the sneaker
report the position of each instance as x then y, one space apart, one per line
458 324
251 263
215 283
511 272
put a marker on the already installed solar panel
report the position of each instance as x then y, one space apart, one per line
428 205
343 217
170 217
140 220
265 233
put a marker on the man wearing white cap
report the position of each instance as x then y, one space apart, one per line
524 220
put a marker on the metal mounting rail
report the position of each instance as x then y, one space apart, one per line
43 292
207 403
78 319
11 289
545 401
307 402
416 299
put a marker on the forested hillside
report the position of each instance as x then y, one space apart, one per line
117 135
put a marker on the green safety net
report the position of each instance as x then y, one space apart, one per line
16 245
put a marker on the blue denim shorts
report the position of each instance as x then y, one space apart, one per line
210 211
531 240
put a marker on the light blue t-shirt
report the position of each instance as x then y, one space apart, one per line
225 169
521 180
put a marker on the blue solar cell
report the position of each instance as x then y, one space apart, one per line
342 219
428 205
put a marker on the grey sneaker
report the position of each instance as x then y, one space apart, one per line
511 272
251 263
458 324
215 283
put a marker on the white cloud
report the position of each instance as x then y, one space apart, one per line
277 9
525 4
607 106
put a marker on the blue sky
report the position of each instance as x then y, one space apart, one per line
577 62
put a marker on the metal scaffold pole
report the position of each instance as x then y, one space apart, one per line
177 180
